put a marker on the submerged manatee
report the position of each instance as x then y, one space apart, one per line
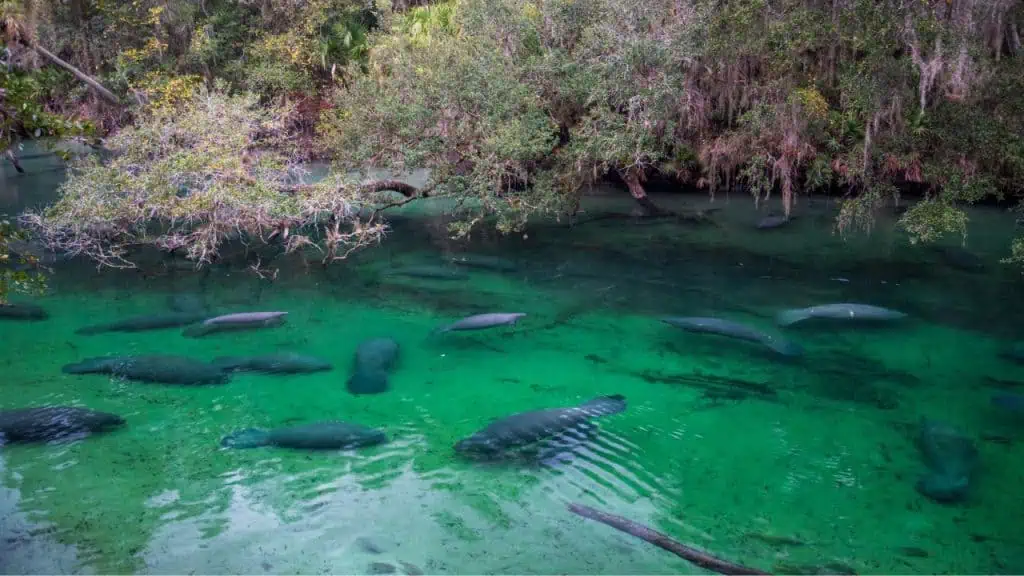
23 312
373 362
841 311
736 330
525 428
1014 353
147 322
283 363
157 368
53 423
1009 401
429 272
484 262
316 436
773 221
481 321
951 459
239 321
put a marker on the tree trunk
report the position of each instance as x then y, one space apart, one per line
690 554
92 82
632 178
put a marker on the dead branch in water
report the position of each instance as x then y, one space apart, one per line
702 559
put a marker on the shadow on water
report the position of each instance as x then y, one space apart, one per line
783 464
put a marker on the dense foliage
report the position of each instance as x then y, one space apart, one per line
189 177
518 105
529 100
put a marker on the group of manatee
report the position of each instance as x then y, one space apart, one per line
951 457
373 362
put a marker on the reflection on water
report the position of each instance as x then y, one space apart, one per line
782 464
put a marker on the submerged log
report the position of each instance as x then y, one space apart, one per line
632 178
702 559
14 160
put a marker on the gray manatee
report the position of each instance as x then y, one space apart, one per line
281 363
147 322
951 458
316 436
429 272
23 312
374 360
525 428
736 330
158 368
482 321
773 221
44 424
841 311
484 262
237 321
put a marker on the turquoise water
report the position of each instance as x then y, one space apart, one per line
783 465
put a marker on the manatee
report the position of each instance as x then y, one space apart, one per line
316 436
842 311
373 362
951 459
163 369
1014 353
959 258
48 423
282 363
484 262
773 221
738 331
429 272
146 322
1009 401
23 312
481 321
519 430
239 321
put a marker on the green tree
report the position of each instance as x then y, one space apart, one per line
189 177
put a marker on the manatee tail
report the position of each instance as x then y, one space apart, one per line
784 346
606 405
90 366
790 317
248 438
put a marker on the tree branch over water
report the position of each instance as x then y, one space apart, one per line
188 179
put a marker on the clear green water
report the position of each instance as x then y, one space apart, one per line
822 455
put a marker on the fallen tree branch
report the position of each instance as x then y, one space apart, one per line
702 559
92 82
